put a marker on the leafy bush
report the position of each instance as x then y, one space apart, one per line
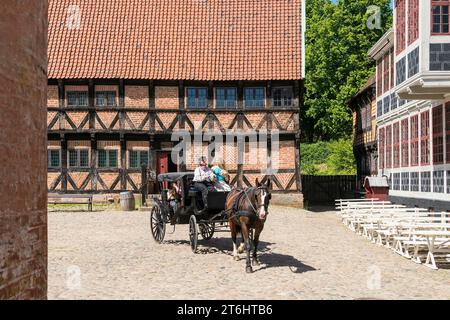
328 158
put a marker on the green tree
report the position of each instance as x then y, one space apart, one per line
337 64
341 159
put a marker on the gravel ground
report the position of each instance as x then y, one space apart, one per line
304 255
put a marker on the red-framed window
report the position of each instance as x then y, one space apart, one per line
381 147
396 144
401 26
438 135
389 147
386 72
425 138
447 129
415 140
379 77
413 20
405 142
440 17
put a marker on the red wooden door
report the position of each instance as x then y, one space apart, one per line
163 166
163 163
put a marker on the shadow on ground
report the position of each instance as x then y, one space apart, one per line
267 258
320 208
276 260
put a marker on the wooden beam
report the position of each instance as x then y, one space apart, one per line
63 163
94 156
240 125
121 104
61 100
123 163
91 104
181 99
298 175
152 106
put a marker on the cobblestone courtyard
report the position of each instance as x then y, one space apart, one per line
305 255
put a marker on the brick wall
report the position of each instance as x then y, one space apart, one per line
52 96
23 152
136 97
166 97
286 155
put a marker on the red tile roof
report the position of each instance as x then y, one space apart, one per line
175 39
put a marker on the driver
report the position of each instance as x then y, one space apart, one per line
204 180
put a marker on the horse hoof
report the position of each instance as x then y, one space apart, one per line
236 258
249 270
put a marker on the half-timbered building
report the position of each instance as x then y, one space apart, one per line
363 106
413 103
124 75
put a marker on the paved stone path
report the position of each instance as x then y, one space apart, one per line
111 255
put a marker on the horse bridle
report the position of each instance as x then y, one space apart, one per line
251 202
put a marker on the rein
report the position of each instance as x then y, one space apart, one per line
244 191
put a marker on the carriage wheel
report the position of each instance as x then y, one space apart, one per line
207 230
193 233
157 224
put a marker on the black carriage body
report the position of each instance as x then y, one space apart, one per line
189 197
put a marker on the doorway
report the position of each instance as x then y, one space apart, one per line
165 163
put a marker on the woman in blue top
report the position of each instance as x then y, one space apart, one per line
222 177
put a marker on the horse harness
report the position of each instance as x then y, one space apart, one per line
237 214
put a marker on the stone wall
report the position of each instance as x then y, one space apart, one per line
23 156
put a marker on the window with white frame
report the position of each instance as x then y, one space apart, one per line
108 158
413 62
78 158
438 181
448 181
405 181
137 158
396 181
425 181
415 181
393 101
54 158
379 108
386 104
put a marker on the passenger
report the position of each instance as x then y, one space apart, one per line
174 197
204 180
222 177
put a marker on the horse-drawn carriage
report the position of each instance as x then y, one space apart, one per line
244 210
186 207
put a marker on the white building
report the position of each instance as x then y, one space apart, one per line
413 103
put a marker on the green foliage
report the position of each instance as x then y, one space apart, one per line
337 64
328 158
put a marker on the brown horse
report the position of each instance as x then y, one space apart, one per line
247 210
